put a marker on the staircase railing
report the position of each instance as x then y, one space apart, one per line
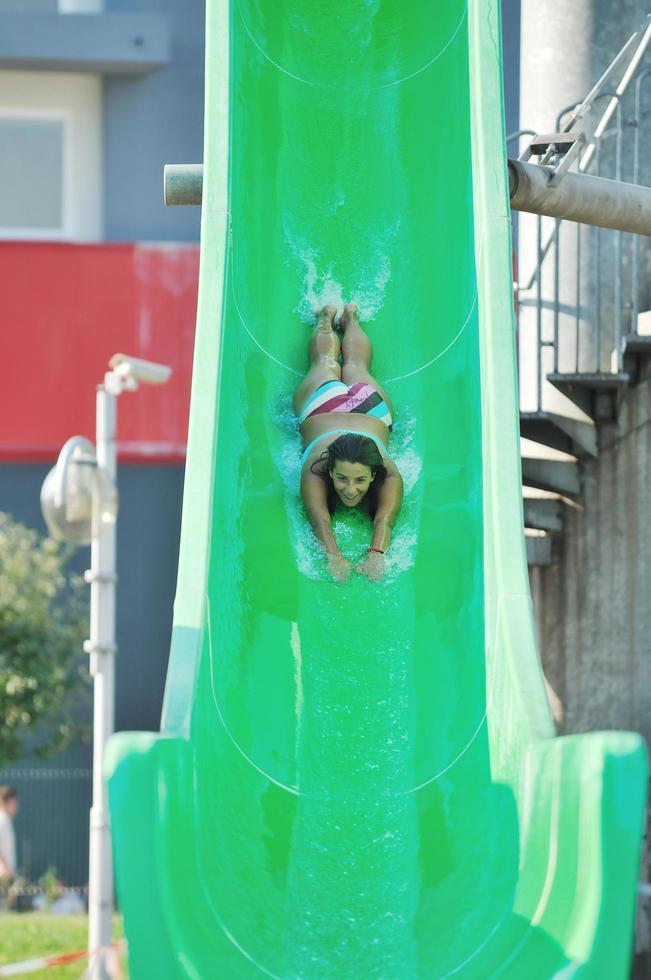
586 291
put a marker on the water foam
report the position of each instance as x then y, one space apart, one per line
320 286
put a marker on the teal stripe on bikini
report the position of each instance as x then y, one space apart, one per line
380 411
322 390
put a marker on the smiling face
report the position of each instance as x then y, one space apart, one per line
351 481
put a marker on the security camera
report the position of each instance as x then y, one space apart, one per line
145 372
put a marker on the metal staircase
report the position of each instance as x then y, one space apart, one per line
583 316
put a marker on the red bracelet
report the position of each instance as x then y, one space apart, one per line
378 550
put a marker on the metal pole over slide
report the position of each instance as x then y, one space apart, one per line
577 197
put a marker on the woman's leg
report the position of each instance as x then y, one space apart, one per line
324 358
357 353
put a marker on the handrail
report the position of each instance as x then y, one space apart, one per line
605 295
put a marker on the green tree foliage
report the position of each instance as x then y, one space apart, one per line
43 620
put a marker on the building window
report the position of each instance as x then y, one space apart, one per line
31 175
50 156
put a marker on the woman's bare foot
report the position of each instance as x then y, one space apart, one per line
350 315
325 319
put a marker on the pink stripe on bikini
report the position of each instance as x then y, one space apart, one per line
332 405
356 398
345 403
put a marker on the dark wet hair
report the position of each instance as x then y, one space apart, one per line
351 448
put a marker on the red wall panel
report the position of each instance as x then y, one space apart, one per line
65 310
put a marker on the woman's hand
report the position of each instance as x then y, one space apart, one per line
339 568
372 566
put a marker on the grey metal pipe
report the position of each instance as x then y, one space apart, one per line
578 197
183 183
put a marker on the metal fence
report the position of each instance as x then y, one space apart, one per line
51 825
583 296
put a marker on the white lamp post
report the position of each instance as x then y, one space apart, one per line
79 501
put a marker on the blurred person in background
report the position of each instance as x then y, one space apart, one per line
8 811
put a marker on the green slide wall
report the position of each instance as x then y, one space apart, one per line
362 780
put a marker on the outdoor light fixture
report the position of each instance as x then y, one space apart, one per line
79 500
68 491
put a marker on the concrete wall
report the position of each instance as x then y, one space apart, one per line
594 605
150 121
150 111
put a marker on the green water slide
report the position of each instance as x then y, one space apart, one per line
362 780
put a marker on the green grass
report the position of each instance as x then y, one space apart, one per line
23 937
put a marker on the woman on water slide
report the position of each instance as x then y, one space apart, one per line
345 418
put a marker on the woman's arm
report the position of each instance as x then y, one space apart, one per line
389 501
315 501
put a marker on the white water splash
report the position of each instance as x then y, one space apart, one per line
321 287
